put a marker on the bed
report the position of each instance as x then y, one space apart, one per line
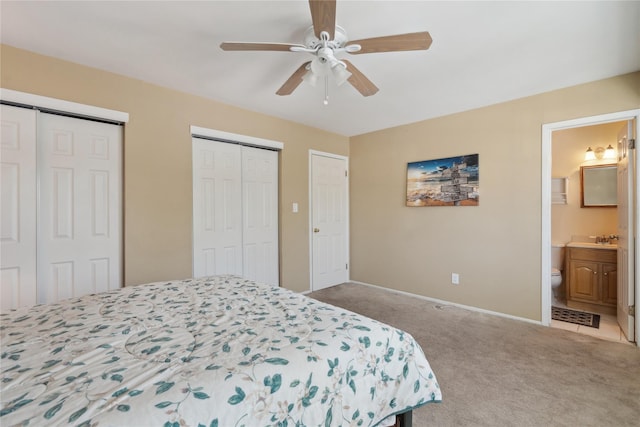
218 351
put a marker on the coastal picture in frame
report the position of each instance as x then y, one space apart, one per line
452 181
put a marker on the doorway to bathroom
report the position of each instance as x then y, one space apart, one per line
567 220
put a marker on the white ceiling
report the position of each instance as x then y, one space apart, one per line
482 52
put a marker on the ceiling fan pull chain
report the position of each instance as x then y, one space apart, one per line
326 90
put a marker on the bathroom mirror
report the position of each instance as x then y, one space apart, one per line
599 186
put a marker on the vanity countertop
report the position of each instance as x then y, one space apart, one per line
591 245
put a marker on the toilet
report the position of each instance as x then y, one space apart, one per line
557 263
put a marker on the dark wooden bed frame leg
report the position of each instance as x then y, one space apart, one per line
404 419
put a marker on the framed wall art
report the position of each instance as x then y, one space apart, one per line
452 181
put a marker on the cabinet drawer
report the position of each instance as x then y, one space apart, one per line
599 255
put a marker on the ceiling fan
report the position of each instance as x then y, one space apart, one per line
324 39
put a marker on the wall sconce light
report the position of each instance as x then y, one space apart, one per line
589 155
600 153
609 152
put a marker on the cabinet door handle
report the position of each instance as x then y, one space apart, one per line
595 272
606 274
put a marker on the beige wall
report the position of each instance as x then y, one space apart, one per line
157 161
567 152
496 246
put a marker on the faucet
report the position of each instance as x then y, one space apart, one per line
602 239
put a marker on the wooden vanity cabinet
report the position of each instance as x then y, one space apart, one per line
610 284
592 277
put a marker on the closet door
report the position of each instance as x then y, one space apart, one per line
260 215
217 208
235 211
18 208
79 224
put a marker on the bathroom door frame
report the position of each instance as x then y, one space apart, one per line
547 132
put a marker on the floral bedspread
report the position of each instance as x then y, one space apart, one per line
220 351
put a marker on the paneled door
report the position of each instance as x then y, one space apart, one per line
329 220
626 266
79 224
260 215
217 208
235 211
18 208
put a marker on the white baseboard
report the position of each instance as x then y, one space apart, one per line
466 307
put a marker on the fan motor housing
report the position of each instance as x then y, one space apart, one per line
313 42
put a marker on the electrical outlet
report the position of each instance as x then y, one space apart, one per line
455 278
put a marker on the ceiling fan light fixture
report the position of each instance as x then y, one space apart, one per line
340 74
311 78
318 67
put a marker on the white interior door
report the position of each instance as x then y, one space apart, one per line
18 208
79 235
260 215
626 242
329 220
235 211
217 208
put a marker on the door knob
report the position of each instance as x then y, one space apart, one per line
316 230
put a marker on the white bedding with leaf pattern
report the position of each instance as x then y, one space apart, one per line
220 351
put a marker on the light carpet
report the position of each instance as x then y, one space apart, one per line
495 371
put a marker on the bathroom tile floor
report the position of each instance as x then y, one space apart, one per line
608 330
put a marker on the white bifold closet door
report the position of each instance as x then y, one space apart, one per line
18 208
63 210
235 211
79 222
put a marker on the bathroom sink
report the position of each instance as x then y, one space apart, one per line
593 245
